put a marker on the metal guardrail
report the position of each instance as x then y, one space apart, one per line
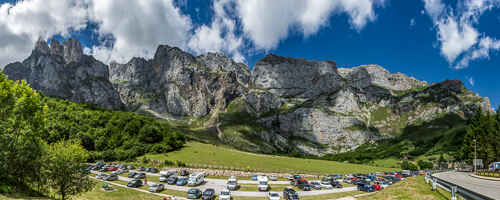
455 189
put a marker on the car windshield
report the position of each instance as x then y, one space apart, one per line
224 193
155 185
274 195
208 192
262 183
192 191
231 182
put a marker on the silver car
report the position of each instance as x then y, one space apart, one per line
156 187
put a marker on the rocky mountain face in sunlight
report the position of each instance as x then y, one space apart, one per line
288 104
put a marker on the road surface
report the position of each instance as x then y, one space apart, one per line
485 187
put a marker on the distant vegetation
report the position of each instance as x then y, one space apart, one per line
109 135
485 129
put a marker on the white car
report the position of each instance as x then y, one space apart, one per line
273 196
225 195
326 185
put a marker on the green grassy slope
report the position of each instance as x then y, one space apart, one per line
208 154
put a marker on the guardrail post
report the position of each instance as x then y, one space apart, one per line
426 180
434 184
453 191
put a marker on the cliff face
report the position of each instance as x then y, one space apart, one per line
298 105
62 71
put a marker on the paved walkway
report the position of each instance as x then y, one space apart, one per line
485 187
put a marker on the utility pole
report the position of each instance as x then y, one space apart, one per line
475 156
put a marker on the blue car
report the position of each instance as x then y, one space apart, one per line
181 181
366 187
254 177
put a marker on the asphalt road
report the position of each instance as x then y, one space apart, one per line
482 186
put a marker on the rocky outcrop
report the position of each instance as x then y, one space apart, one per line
176 84
63 71
290 104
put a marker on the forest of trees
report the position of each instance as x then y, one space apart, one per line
484 127
45 140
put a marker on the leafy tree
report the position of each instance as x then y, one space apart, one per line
406 165
422 164
64 169
22 122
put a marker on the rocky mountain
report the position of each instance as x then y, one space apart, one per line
283 104
63 71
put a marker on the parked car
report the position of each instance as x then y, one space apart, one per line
316 185
273 178
156 187
365 188
101 176
172 180
183 172
377 187
181 181
273 196
130 167
163 178
111 177
336 184
232 184
132 174
103 169
208 194
141 169
147 169
303 185
153 170
168 173
290 194
263 183
225 195
114 168
196 179
140 176
135 183
326 184
254 177
193 193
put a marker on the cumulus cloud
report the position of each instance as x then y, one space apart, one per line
131 28
482 51
21 24
137 27
220 35
266 23
458 37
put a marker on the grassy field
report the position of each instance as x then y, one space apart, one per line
195 153
409 189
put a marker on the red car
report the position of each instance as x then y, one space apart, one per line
398 175
377 187
113 169
353 178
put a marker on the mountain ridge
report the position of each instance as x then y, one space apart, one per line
289 104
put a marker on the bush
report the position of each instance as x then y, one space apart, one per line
406 165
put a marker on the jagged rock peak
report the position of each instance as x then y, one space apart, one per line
70 50
275 59
41 46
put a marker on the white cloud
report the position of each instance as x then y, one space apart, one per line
455 38
21 24
220 35
138 27
482 51
471 81
266 23
458 37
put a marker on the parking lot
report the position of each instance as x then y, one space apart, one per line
297 185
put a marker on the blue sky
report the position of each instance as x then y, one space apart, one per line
431 40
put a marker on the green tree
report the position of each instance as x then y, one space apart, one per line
22 122
422 164
64 169
407 165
